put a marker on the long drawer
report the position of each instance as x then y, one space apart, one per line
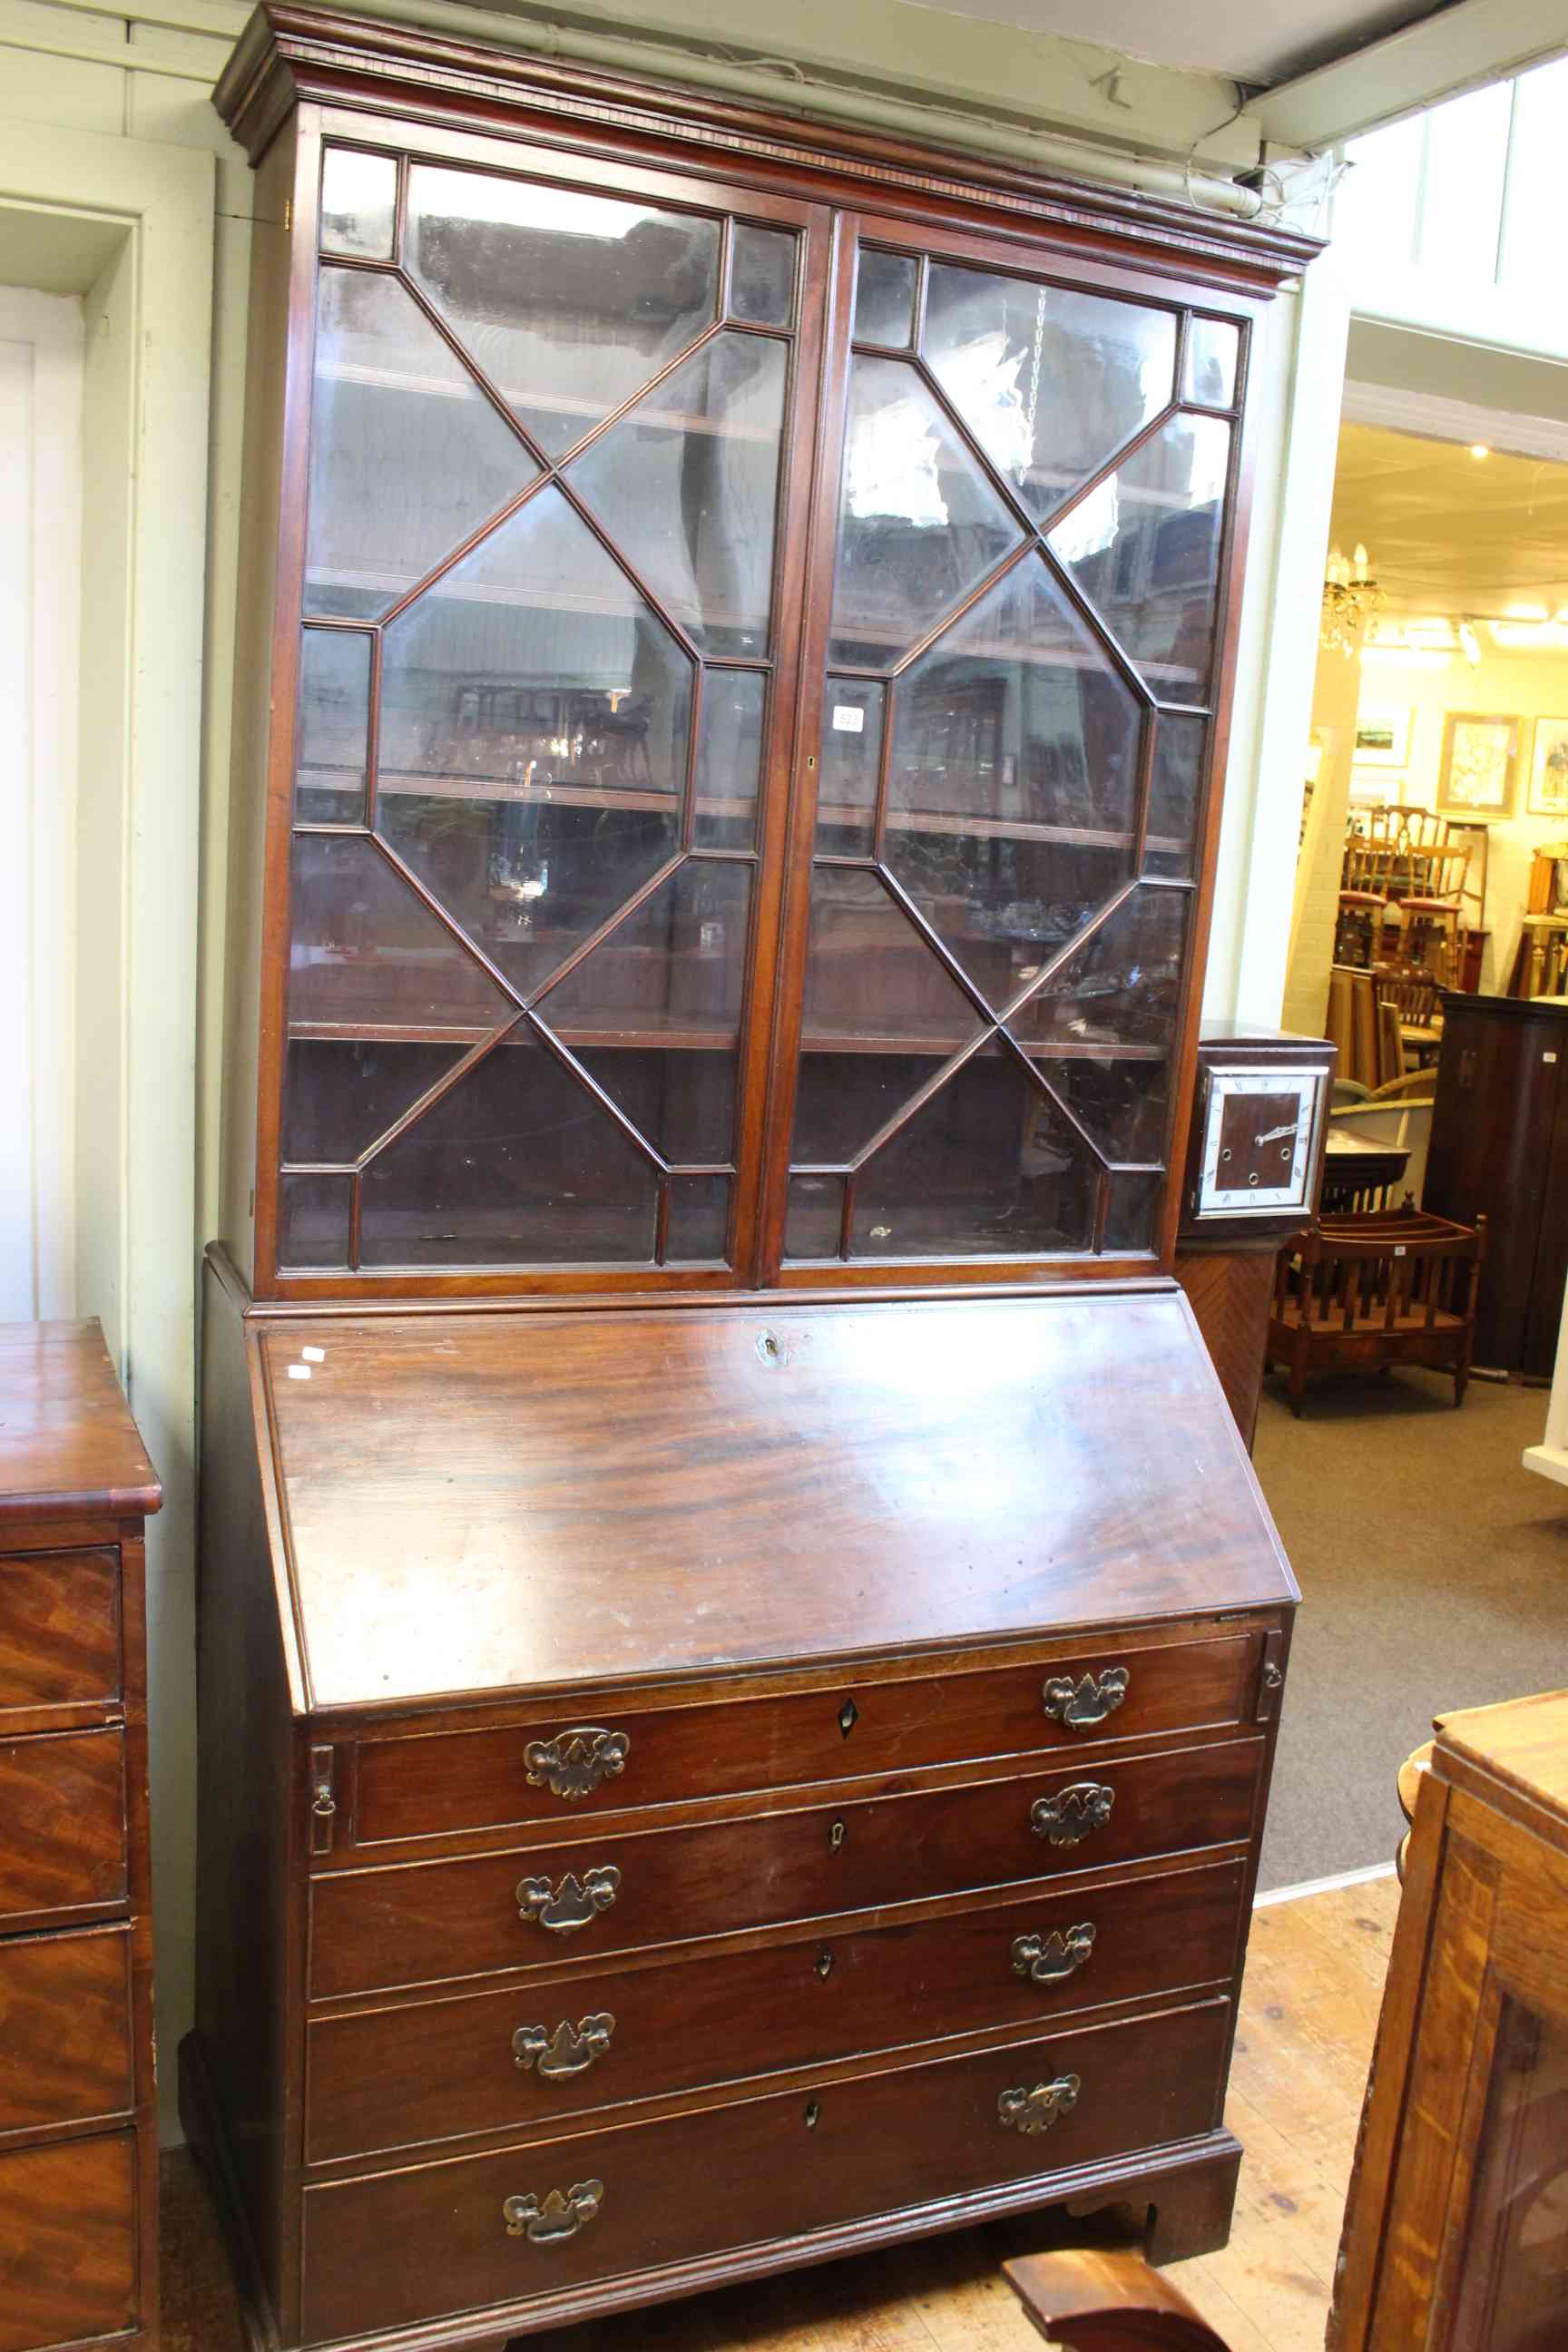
410 2245
558 2045
64 2028
425 1784
424 1923
59 1628
62 1796
68 2242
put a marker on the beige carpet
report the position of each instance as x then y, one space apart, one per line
1434 1575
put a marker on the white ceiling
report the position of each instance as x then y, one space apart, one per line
1257 44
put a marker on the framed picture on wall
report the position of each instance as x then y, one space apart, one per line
1382 739
1549 769
1479 754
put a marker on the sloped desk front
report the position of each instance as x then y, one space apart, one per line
689 1791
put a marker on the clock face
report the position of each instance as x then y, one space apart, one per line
1258 1134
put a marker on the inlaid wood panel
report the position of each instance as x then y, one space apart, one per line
64 2028
59 1628
68 2242
62 1796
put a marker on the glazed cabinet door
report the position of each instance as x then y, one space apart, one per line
1014 676
560 439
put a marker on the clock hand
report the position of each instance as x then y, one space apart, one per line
1274 1134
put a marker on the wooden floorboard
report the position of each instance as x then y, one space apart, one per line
1308 2014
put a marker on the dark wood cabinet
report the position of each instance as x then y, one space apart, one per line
79 2151
740 1649
1499 1150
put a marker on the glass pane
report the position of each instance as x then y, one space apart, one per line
1050 381
1174 795
686 486
1144 548
730 759
567 300
1130 1217
655 1012
1208 374
814 1216
517 1165
334 719
1013 779
885 297
366 953
341 1094
1119 1103
313 1221
987 1168
407 456
699 1219
1123 986
851 759
359 202
1514 2279
535 718
762 275
920 525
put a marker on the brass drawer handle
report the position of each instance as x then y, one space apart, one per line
1068 1817
575 1762
561 2215
576 1903
1095 1697
570 2050
1036 2111
1051 1960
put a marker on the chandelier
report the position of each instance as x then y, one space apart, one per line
1350 598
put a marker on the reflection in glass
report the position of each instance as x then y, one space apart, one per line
1130 1215
814 1216
699 1220
851 761
516 1164
1123 985
334 719
313 1222
366 950
567 300
762 275
654 1012
1174 795
1119 1103
987 1168
730 759
359 202
1209 374
342 1093
1144 548
885 297
535 716
920 524
1050 381
686 486
407 456
1512 2284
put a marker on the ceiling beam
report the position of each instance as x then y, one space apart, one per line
1462 46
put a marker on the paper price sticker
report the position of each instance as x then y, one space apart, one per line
847 720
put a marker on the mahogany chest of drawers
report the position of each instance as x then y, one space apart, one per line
77 2127
578 1932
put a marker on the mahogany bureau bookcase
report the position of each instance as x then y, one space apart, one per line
79 2144
740 1645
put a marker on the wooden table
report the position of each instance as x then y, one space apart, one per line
1354 1167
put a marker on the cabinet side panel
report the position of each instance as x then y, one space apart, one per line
244 1732
260 509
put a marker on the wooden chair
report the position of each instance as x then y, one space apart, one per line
1360 1293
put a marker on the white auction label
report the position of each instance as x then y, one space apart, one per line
847 720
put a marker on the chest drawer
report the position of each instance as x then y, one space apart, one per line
68 2242
59 1628
430 1784
64 2028
412 2245
560 2045
62 1796
422 1923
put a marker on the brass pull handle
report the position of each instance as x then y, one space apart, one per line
1036 2111
1051 1960
570 2050
561 2213
575 1762
576 1902
1082 1705
1068 1817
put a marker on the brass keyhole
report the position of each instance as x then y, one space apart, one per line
825 1964
812 2115
835 1837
